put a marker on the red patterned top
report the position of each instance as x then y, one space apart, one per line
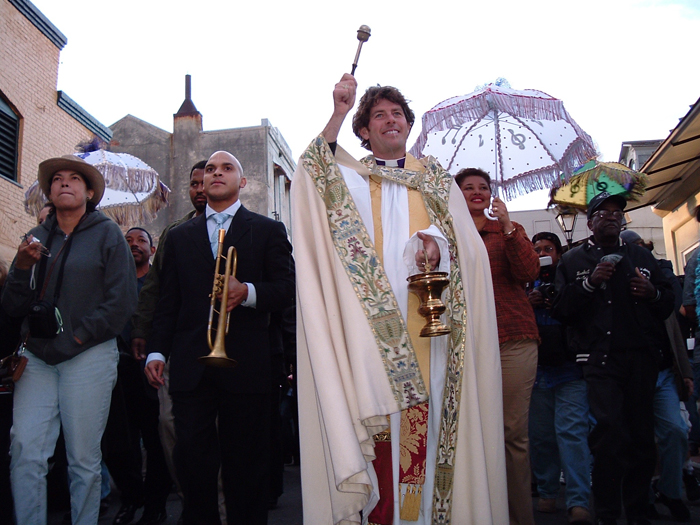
514 263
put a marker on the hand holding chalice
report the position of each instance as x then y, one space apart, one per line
428 286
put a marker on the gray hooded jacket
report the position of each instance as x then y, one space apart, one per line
98 294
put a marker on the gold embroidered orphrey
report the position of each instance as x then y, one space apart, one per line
359 257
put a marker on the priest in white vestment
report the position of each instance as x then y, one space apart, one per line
365 377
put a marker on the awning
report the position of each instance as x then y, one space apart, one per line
674 168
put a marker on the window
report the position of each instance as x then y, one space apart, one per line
9 137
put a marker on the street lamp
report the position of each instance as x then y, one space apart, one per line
566 219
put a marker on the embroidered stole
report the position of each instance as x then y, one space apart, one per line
365 271
413 436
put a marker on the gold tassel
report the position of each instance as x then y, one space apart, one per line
410 508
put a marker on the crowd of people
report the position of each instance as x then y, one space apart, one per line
557 365
87 378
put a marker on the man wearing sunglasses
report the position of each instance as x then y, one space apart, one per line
614 299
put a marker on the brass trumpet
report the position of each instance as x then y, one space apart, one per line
217 356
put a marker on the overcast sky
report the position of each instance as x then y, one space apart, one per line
625 69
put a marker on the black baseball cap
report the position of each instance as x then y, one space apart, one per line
598 200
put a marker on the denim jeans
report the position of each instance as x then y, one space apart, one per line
105 488
74 394
671 435
559 439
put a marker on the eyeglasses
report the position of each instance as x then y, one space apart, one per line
546 249
604 214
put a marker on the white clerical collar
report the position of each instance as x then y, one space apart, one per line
231 210
394 163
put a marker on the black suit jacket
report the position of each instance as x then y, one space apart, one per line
180 321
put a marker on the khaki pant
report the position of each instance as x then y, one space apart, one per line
519 369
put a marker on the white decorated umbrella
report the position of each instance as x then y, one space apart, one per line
133 191
524 139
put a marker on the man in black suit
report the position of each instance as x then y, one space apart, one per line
239 397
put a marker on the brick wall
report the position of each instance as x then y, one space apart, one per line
28 76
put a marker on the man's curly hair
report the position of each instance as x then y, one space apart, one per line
370 99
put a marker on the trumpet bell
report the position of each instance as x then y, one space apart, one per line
218 361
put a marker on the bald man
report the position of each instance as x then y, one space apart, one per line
240 396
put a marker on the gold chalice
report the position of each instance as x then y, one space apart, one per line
428 286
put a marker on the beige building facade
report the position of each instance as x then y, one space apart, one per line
262 151
36 120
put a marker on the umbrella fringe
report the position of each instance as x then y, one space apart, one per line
135 181
529 182
417 149
622 175
578 153
124 173
34 200
637 192
475 108
143 213
529 107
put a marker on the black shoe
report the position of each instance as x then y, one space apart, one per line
692 487
152 518
678 509
104 507
126 514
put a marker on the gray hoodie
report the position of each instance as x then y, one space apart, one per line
98 294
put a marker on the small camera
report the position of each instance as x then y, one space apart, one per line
546 269
547 290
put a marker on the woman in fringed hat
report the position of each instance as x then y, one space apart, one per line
74 280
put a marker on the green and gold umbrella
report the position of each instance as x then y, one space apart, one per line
595 177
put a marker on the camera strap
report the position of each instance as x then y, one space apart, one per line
44 260
65 249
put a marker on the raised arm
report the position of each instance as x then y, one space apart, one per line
343 101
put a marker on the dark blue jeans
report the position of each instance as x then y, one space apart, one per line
559 439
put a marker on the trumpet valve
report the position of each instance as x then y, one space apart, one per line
218 285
